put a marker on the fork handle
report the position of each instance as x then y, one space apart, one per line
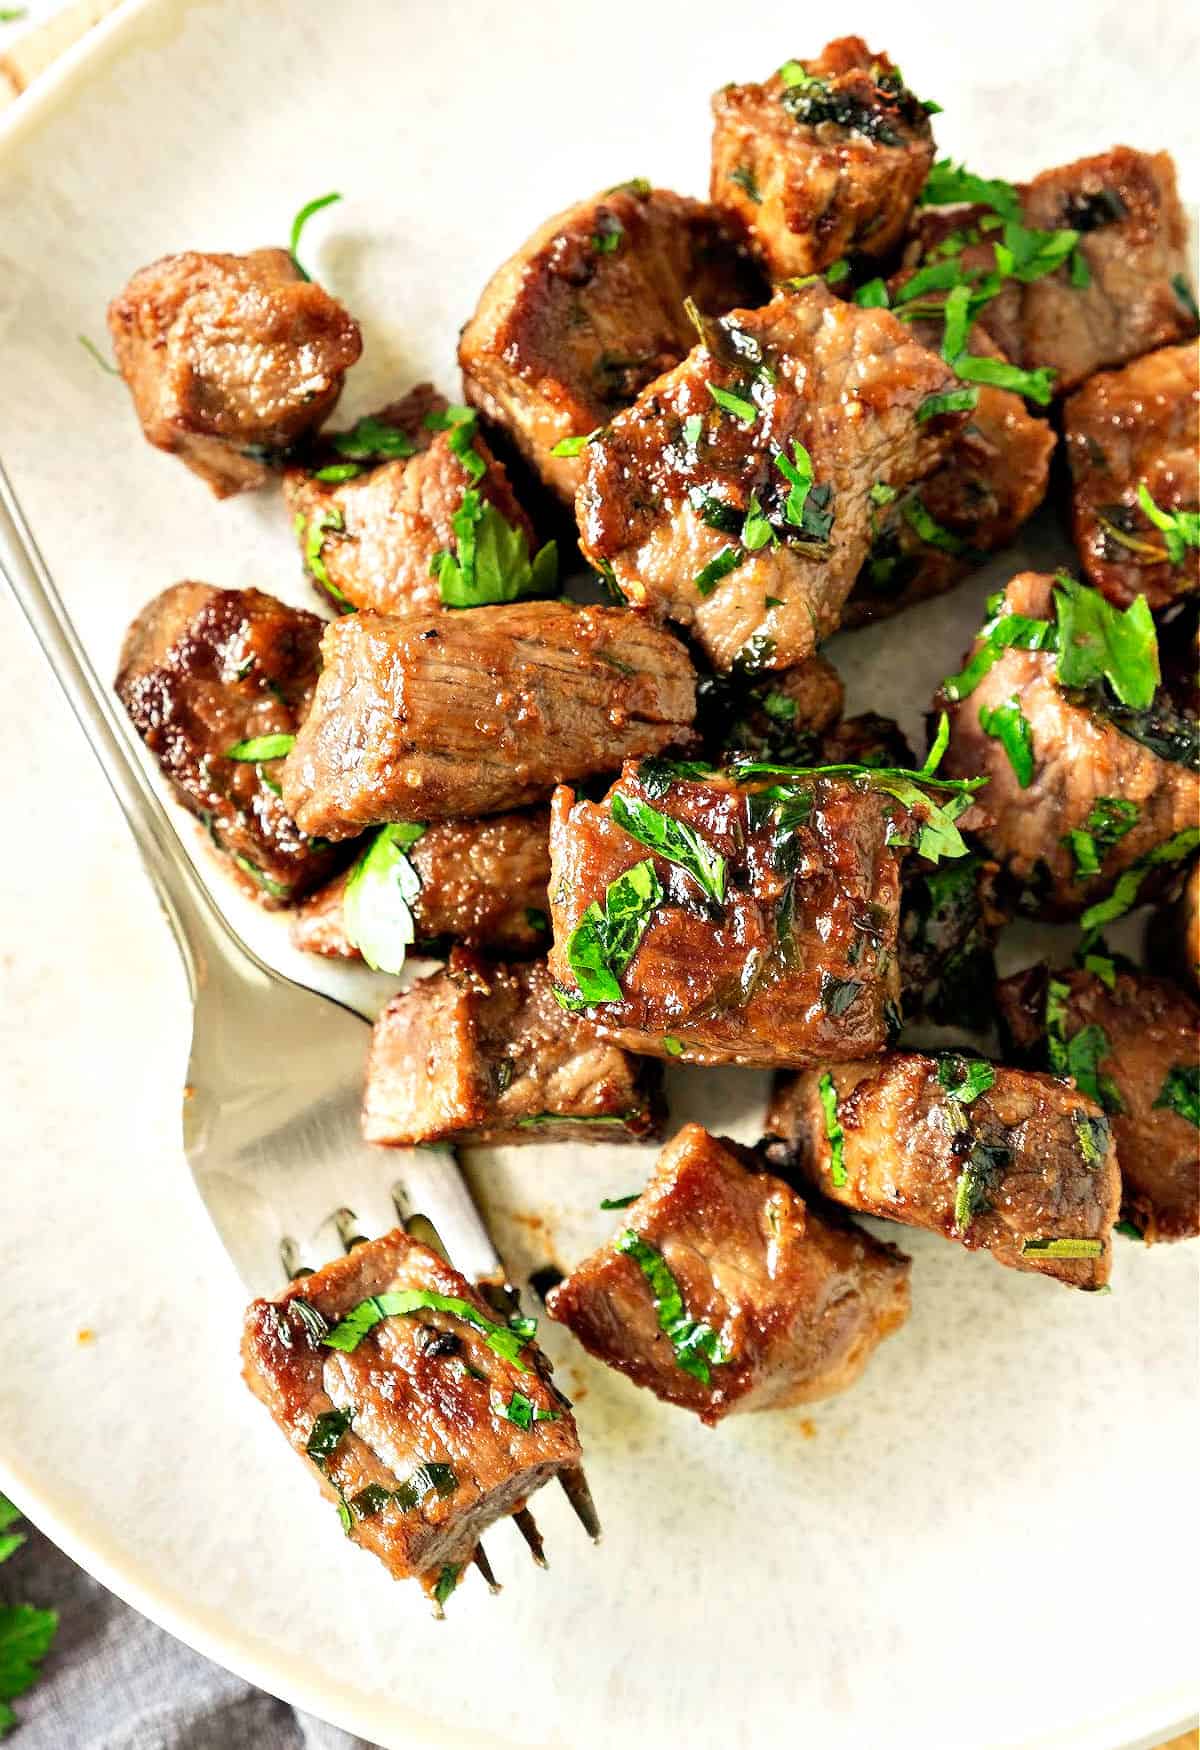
190 911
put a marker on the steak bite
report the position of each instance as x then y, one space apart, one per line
734 496
482 1052
949 921
230 359
925 540
823 160
590 310
1117 288
432 716
425 1425
1003 1160
719 921
778 716
376 507
1130 433
723 1292
204 671
1133 1043
482 883
1084 790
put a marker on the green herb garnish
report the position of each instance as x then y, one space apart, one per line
954 401
1080 1056
619 1202
1124 895
972 1193
1093 1135
491 560
873 295
327 1432
838 994
300 221
379 896
606 238
999 632
744 411
311 532
744 179
1109 819
446 1582
1062 1248
1183 292
928 528
604 942
1099 642
261 747
965 1078
1009 725
717 569
950 184
1180 529
370 438
698 1348
1181 1092
507 1341
834 1134
522 1411
1037 386
93 351
26 1633
673 839
574 446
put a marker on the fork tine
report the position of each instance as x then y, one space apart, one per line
527 1526
289 1257
575 1488
485 1568
346 1223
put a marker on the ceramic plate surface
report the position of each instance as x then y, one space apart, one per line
986 1543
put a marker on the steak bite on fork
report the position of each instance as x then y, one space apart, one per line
230 359
723 1292
437 716
1018 1164
734 496
823 160
377 508
482 1052
423 1414
737 917
590 310
217 681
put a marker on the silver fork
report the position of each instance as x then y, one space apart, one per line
278 1159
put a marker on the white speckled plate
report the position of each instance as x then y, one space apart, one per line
986 1543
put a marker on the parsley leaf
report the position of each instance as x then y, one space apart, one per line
718 568
838 994
744 411
999 632
972 1193
326 1434
1097 641
954 401
507 1341
1181 1092
1009 725
311 532
619 1202
1080 1056
261 747
1037 386
1124 895
300 221
1180 528
521 1410
950 184
370 439
604 942
873 295
965 1078
744 179
1109 819
606 238
673 839
491 560
446 1582
834 1133
377 904
1062 1248
26 1633
697 1346
574 446
927 528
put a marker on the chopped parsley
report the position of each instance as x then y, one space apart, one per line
986 1163
954 401
311 532
834 1134
428 1479
838 272
89 346
490 562
1037 385
369 440
620 1202
300 221
26 1633
1009 725
698 1348
950 184
507 1341
927 528
1093 1135
672 1046
1183 292
1124 895
965 1078
574 446
446 1582
744 179
1180 529
673 839
838 994
1079 1057
377 904
1062 1248
337 473
261 747
606 238
717 569
872 295
1099 642
1109 819
521 1411
1181 1092
327 1431
604 942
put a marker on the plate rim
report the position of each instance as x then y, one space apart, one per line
266 1667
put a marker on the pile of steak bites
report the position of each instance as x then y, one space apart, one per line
644 831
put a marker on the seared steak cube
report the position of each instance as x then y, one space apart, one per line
825 159
212 677
1120 290
734 496
778 716
1014 1163
432 716
1130 433
719 921
483 883
230 359
949 921
1133 1043
590 310
482 1052
375 507
995 475
723 1292
424 1424
1083 789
